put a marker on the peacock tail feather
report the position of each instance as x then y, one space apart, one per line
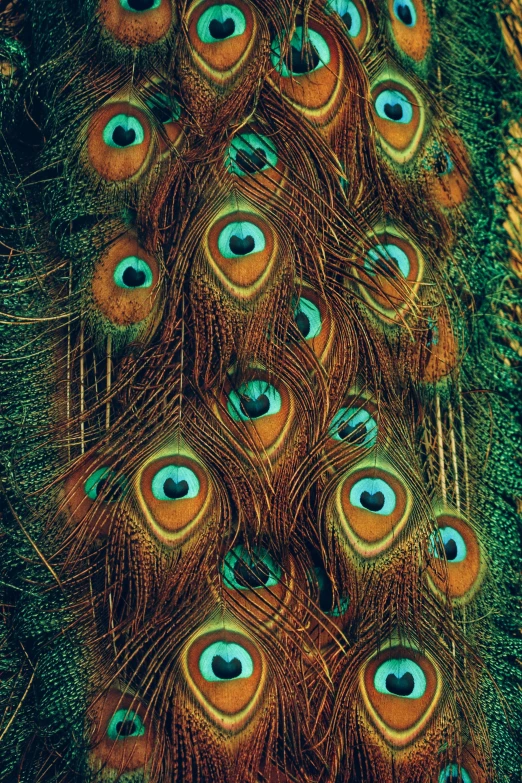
259 391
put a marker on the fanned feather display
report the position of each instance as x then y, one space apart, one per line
259 377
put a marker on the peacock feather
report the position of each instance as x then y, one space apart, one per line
259 391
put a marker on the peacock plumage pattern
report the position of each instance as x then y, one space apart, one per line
259 377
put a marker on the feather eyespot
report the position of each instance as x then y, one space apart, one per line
355 426
313 320
123 130
175 495
256 584
226 673
354 17
304 56
222 36
175 482
119 141
457 549
448 543
253 400
125 282
404 11
225 661
93 493
394 106
439 350
399 117
373 506
241 238
400 677
220 22
261 412
250 154
242 249
449 178
310 72
105 485
136 23
125 724
401 689
469 769
124 738
390 274
326 599
133 272
410 26
166 110
308 318
244 570
453 773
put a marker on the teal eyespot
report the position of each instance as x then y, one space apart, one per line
454 774
223 661
240 238
253 400
125 724
165 108
308 318
348 12
105 481
300 59
249 153
244 570
400 677
405 12
387 259
139 6
175 482
394 106
327 602
220 23
450 541
439 160
354 425
123 131
373 494
133 272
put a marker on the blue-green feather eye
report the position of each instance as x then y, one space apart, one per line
220 22
449 540
400 677
327 602
123 131
225 661
253 400
139 6
308 318
348 12
241 238
250 153
454 774
373 494
165 108
301 59
354 425
125 724
105 480
387 259
405 12
244 570
394 106
133 272
175 482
